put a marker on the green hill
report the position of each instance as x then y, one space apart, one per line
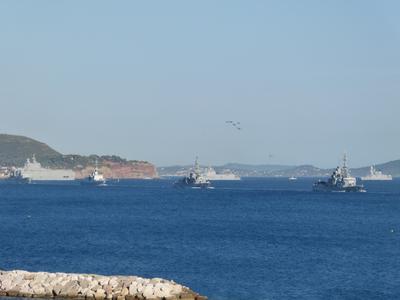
14 150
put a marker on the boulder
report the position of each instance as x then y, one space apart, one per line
100 294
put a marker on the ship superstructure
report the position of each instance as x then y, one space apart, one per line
15 176
212 175
35 172
195 178
374 174
95 178
339 181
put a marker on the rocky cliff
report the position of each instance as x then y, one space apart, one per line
14 150
112 169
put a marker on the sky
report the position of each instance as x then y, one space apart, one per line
156 80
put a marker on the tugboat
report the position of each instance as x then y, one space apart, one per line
95 178
195 179
340 181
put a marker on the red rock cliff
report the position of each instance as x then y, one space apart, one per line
121 170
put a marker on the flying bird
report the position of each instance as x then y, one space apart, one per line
235 124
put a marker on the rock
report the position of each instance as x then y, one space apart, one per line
148 292
83 283
133 288
94 285
70 290
100 294
90 287
103 281
89 294
29 276
176 289
124 292
57 289
12 293
113 282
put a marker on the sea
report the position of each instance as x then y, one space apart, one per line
251 239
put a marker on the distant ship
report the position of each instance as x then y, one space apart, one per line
212 175
34 171
195 179
16 177
376 175
292 178
95 178
340 181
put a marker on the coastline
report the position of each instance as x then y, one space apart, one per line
18 283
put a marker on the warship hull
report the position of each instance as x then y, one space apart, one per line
213 176
93 183
376 178
339 181
376 175
49 175
325 187
223 177
21 180
195 179
183 183
35 172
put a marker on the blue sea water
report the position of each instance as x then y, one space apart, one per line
253 239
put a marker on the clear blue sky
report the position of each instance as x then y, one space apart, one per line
156 80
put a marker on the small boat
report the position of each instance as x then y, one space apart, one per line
292 178
95 178
195 179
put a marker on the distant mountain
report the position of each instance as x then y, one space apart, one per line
259 168
245 170
302 171
14 151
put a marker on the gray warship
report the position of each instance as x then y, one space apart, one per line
339 181
17 177
35 172
195 179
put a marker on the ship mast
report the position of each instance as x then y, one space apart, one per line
196 165
344 168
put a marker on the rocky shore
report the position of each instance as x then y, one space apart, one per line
88 286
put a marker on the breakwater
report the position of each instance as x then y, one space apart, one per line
87 286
